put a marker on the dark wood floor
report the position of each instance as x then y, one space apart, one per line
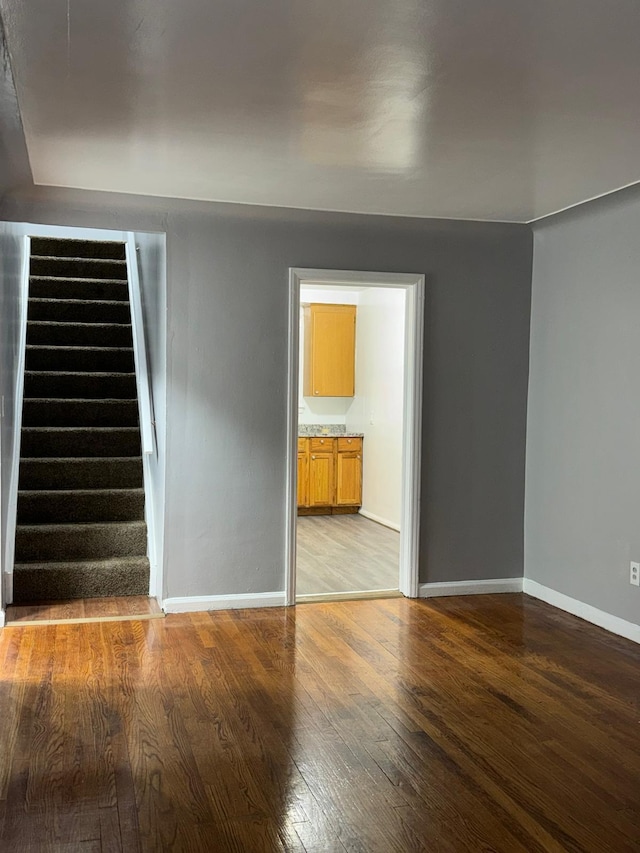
488 723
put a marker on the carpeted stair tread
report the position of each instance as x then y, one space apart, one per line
80 540
73 441
64 248
54 287
58 383
58 581
69 411
113 472
80 359
78 267
80 505
79 334
79 310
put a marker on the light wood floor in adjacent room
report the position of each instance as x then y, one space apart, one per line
455 725
339 553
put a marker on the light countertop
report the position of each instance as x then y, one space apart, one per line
331 430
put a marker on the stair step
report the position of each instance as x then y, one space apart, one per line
88 359
80 505
79 334
52 412
58 581
41 442
78 267
79 310
63 248
81 473
54 287
93 541
52 383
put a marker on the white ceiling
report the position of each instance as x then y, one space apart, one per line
473 109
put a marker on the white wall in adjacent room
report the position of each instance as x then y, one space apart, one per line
377 408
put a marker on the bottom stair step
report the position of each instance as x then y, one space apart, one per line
80 579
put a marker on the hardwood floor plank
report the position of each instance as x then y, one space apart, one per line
451 725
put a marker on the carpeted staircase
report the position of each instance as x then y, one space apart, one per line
80 525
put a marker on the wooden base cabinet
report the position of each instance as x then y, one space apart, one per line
329 475
348 478
303 479
321 478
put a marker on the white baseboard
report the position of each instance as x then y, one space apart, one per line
372 517
615 624
2 618
485 587
192 604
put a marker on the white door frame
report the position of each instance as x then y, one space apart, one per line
413 285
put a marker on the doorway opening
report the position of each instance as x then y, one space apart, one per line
355 388
84 533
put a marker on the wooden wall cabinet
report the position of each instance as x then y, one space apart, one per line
329 475
329 350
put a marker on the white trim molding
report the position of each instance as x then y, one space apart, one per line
598 617
378 520
414 286
484 587
12 508
320 597
2 618
195 603
145 403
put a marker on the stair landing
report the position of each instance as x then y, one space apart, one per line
115 609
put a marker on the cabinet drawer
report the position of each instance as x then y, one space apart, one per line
302 445
319 444
349 444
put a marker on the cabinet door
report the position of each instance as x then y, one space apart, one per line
330 350
303 479
321 484
349 479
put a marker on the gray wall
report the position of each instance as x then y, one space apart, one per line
12 255
226 386
15 170
582 523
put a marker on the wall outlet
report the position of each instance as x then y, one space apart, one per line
634 573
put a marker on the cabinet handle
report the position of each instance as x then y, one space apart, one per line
348 441
316 392
322 441
313 457
357 457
